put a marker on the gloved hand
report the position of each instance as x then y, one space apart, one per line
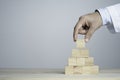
87 25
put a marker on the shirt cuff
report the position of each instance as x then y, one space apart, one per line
106 19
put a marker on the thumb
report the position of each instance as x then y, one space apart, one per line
89 34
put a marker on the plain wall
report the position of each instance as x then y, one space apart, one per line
39 33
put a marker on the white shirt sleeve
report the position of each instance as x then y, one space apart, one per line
111 17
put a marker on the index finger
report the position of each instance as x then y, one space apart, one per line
76 30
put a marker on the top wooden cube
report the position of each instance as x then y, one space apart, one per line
80 43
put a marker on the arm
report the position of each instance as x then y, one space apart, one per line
88 24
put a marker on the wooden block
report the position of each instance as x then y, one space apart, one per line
90 70
81 70
83 52
69 70
72 61
77 70
80 43
72 70
75 61
85 61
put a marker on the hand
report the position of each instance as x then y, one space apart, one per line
87 25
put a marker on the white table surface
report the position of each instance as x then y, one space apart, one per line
55 74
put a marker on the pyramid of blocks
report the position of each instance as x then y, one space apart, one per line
80 62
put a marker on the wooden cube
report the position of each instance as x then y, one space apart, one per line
83 52
73 70
85 61
75 61
77 70
72 61
90 70
80 43
69 70
81 70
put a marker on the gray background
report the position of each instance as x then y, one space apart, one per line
38 34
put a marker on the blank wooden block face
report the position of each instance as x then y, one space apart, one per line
69 70
72 61
80 43
81 70
85 61
83 52
75 61
90 69
73 70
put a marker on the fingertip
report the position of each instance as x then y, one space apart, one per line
89 35
86 40
74 39
75 36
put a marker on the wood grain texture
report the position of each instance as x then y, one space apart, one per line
83 52
80 43
78 61
70 70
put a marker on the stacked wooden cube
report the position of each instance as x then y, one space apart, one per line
80 62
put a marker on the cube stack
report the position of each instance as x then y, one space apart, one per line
80 62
